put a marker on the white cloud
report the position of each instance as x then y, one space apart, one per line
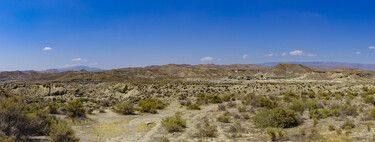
297 53
205 59
371 47
311 55
47 48
284 54
358 53
270 55
245 56
79 60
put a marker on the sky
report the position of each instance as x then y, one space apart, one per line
107 34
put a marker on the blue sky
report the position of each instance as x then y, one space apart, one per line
130 33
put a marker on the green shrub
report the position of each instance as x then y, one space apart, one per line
61 132
53 108
372 113
221 107
323 94
242 109
224 118
226 98
335 112
279 117
297 106
252 99
331 128
265 102
311 94
194 107
314 132
320 113
208 131
369 99
289 96
125 108
316 121
349 110
348 123
174 123
151 105
202 99
215 99
76 109
19 120
276 134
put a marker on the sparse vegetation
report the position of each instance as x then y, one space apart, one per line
61 132
194 107
279 117
19 120
151 105
217 107
225 118
174 123
76 109
276 134
125 108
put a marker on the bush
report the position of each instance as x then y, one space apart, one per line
369 99
207 130
331 128
242 109
236 128
224 118
53 108
316 121
276 134
311 94
61 132
265 102
297 106
125 108
320 113
285 118
76 109
226 98
348 123
19 120
221 107
349 110
174 123
372 113
231 104
194 107
151 105
279 117
202 99
215 99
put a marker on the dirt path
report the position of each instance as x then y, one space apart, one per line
113 127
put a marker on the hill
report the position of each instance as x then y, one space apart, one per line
327 65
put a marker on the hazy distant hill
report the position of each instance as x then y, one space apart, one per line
327 65
78 68
74 68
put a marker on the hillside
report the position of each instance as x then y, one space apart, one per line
182 72
327 65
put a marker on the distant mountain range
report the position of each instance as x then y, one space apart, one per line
312 65
327 65
73 68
